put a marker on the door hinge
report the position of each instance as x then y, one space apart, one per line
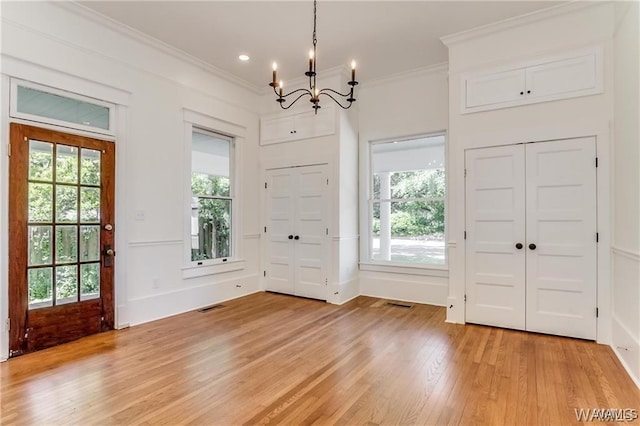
265 185
465 297
264 273
326 281
327 181
7 324
597 237
596 161
327 231
265 229
8 150
465 235
597 312
465 172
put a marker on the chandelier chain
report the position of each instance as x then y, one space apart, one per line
315 8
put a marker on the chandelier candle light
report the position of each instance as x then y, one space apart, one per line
313 91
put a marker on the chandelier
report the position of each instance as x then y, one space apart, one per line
313 92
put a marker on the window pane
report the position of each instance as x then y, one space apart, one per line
66 244
40 285
43 104
66 164
66 203
210 165
39 245
415 234
89 243
66 284
89 281
90 167
418 184
40 202
90 204
210 228
408 231
40 160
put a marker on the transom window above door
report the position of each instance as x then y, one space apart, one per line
406 203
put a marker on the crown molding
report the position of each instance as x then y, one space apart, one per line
405 75
526 19
153 43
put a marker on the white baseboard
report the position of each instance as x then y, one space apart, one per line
158 306
627 349
426 290
347 290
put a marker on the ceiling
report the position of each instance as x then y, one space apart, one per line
384 37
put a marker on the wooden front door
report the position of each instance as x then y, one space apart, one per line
61 211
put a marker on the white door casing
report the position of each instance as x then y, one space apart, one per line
561 222
542 195
495 224
297 234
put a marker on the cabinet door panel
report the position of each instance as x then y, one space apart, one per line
310 125
274 130
495 88
562 77
495 205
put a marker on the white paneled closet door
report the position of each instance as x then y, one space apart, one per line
495 224
561 238
280 224
531 254
297 255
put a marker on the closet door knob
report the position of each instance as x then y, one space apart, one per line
521 93
290 237
297 237
519 246
532 246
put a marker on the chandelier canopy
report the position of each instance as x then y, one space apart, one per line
313 92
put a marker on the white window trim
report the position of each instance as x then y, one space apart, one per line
13 108
235 262
366 262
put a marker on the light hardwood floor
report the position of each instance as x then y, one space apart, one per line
269 358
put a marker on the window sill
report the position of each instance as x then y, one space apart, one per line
212 269
431 271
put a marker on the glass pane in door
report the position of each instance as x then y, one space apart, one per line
63 224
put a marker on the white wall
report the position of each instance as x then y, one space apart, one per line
62 45
568 27
626 190
410 104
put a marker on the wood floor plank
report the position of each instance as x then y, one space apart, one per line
276 359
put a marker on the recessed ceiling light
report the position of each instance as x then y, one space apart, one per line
244 58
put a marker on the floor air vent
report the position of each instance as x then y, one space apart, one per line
399 304
210 308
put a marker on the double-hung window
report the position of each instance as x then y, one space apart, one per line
212 196
407 202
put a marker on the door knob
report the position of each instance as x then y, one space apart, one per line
108 227
290 237
297 237
532 246
519 246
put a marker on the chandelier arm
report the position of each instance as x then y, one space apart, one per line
308 92
336 101
295 100
344 95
